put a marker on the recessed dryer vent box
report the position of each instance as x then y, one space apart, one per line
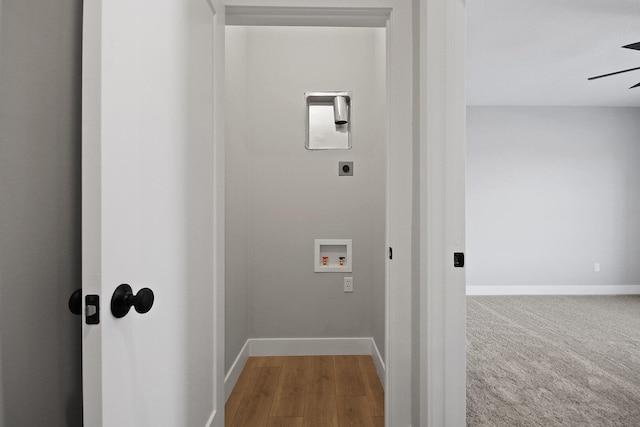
329 253
328 120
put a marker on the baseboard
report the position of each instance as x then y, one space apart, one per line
377 360
212 418
236 369
302 347
308 346
555 290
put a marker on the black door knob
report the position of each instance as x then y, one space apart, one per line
123 299
75 302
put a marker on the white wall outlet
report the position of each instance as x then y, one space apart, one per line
596 267
348 284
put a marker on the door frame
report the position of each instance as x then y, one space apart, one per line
439 395
395 17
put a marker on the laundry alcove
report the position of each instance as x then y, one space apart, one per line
281 197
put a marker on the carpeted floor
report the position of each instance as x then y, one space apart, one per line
553 361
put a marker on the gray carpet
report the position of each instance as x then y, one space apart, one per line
553 361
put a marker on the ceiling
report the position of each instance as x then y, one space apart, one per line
541 52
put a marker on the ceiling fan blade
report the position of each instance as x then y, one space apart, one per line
637 85
613 74
635 46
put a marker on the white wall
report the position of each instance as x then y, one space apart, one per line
40 242
550 192
295 195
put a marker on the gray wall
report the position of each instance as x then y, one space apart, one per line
294 195
550 192
379 248
40 358
236 206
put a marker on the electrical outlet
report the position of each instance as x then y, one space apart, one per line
596 267
348 284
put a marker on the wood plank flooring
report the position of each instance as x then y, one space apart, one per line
307 391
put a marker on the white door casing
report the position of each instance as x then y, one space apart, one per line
440 359
150 174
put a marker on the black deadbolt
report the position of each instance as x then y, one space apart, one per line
345 168
123 299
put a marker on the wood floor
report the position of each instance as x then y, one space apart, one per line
304 391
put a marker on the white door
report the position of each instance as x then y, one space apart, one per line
149 214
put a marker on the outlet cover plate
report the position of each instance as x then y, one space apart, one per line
348 284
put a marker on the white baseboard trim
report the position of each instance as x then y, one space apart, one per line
236 369
212 418
308 346
555 290
377 360
302 347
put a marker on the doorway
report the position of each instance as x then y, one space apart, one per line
397 370
282 197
